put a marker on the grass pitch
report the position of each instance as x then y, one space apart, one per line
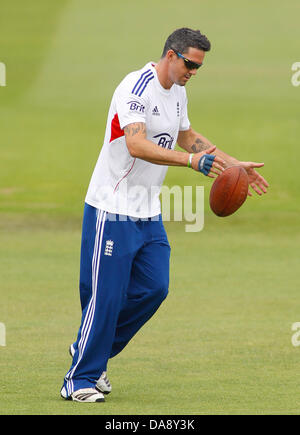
221 342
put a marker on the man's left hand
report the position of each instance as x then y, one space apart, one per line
256 181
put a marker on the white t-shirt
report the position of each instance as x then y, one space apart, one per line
121 183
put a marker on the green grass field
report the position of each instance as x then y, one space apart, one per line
221 342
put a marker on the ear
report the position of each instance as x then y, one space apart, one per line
170 54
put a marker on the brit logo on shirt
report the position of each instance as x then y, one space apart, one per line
136 106
164 140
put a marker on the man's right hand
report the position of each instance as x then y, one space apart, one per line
208 163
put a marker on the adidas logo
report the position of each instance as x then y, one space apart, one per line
109 248
155 111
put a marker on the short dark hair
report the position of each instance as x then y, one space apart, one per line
181 39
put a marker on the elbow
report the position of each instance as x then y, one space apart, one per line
133 149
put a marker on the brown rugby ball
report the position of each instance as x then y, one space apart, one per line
229 191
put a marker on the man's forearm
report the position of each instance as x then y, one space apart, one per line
149 151
141 148
199 143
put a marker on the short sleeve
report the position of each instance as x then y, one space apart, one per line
184 120
130 108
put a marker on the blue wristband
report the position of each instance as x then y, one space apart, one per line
205 163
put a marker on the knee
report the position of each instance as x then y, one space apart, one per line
165 292
161 291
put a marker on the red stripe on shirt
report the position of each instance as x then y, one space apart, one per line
127 173
116 130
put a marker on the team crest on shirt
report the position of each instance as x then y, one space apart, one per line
136 106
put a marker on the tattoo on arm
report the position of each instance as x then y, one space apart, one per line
133 129
199 146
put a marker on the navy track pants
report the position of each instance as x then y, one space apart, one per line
124 277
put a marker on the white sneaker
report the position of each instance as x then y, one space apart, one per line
88 395
103 385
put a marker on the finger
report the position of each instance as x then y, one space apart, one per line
263 181
249 192
255 188
262 187
214 171
217 166
210 149
256 165
220 161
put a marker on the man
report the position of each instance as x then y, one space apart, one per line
124 271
